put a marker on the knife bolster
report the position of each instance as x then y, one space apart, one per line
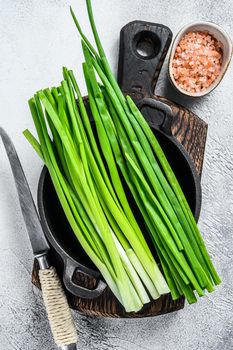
43 261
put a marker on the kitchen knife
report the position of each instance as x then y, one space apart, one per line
59 314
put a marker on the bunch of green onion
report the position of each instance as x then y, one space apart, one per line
87 171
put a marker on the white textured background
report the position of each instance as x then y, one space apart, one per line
36 39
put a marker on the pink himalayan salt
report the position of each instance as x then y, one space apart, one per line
197 61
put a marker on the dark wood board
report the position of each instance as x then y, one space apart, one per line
137 76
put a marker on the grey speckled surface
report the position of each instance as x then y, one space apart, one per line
36 39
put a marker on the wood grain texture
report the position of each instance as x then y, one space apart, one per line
107 305
191 132
136 72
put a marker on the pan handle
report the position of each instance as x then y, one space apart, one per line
163 121
143 48
69 269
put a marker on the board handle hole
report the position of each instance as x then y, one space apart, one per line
146 45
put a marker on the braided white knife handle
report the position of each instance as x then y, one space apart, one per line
59 314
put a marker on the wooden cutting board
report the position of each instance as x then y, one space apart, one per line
188 129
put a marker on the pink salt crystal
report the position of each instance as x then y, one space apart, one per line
197 61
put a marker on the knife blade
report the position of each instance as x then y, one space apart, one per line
59 315
38 241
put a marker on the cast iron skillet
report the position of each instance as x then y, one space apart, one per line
143 47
